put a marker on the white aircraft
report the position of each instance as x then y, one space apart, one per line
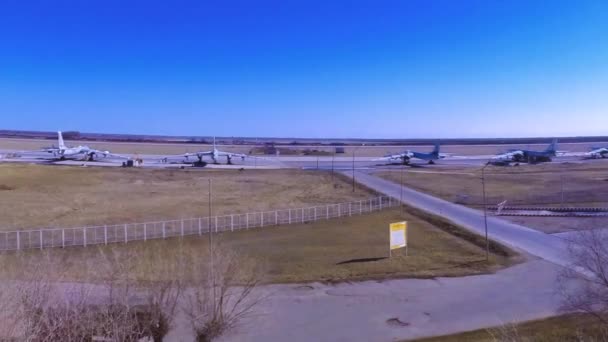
215 154
596 153
64 152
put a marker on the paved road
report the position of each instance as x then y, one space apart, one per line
545 246
359 311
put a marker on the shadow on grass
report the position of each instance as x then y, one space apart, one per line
353 261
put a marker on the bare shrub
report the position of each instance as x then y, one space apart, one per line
506 333
118 308
223 295
584 285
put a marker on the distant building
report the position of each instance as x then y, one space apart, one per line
339 149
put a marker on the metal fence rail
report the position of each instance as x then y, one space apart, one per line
123 233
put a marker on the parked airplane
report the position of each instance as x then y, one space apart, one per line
526 156
64 152
405 157
596 153
215 154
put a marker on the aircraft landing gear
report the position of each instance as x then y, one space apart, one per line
431 162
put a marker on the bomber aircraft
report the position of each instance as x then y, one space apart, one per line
526 156
597 153
63 152
214 154
406 156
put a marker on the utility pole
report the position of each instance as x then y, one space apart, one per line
485 210
211 251
332 166
401 188
354 170
561 180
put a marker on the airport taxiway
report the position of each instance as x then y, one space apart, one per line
336 163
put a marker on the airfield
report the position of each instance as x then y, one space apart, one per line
336 269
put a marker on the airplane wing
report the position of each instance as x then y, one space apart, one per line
195 154
186 155
112 155
230 154
388 157
509 156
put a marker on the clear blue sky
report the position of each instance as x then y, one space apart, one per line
377 69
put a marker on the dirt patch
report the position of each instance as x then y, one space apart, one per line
4 187
396 322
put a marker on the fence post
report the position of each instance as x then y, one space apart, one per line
164 231
182 228
371 205
276 218
289 216
125 233
216 224
18 240
62 238
145 231
247 221
339 210
350 209
231 222
302 215
84 237
261 219
327 211
315 218
200 232
105 234
41 240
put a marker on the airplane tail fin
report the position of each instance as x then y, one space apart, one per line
553 147
61 143
436 149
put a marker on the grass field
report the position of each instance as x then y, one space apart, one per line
541 184
371 151
34 196
351 248
566 328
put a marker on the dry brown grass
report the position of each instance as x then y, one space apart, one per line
33 196
583 184
571 328
351 248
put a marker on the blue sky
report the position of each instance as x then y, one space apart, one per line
370 69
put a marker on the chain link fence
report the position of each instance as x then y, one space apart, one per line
123 233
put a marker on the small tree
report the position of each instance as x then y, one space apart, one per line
223 296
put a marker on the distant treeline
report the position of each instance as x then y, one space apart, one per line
75 135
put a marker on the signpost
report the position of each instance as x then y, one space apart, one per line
398 236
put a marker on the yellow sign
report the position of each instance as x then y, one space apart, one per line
398 235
